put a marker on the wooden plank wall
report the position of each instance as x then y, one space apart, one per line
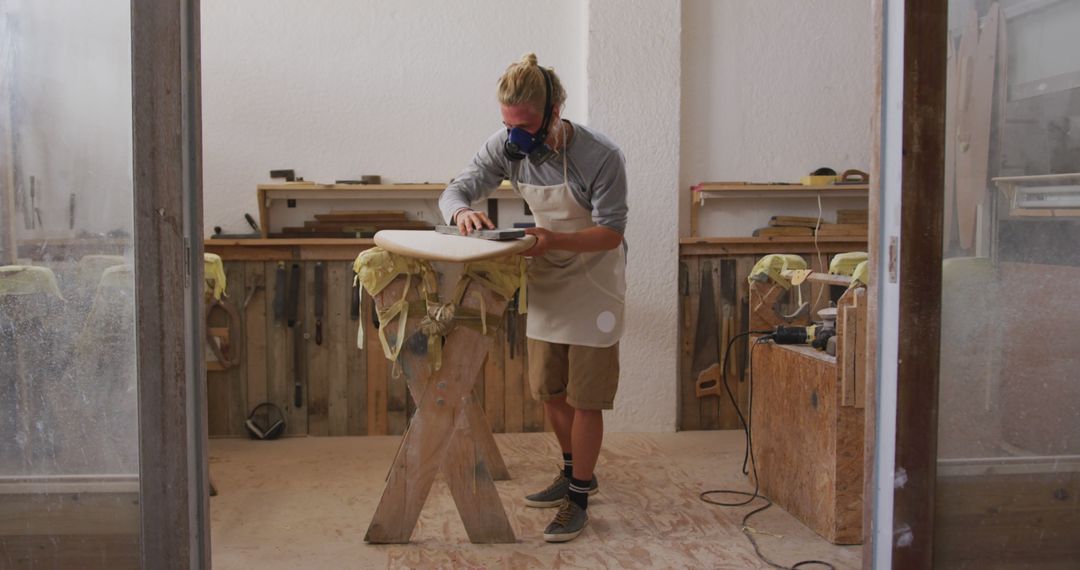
347 391
1025 517
731 293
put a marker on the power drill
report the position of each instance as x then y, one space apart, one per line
814 335
792 335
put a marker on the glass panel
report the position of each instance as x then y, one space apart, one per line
1009 425
68 423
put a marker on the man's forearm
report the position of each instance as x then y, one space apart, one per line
598 238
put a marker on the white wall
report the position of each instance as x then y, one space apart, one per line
402 89
633 73
71 83
690 90
771 90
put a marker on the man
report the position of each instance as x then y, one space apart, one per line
574 181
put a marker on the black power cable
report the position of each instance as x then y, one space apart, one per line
748 457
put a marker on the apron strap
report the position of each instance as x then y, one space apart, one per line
515 169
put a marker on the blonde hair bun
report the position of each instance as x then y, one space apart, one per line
523 82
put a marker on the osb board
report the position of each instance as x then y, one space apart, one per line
1021 520
347 391
849 476
808 448
646 515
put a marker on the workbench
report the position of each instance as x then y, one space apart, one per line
348 391
808 420
729 260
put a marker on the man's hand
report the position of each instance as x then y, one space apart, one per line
544 239
469 220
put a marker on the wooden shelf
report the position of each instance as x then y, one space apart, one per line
709 190
755 245
1037 178
314 249
726 190
270 242
1009 186
267 193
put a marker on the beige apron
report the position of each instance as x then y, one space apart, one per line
574 298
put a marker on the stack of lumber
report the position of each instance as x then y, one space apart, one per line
850 223
852 217
353 224
843 230
788 226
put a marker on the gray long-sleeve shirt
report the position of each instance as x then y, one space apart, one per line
596 173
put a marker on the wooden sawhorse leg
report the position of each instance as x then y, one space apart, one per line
418 374
448 433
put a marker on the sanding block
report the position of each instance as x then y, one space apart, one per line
494 235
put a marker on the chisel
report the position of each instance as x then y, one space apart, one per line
279 292
298 337
320 284
251 222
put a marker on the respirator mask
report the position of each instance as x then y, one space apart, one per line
521 143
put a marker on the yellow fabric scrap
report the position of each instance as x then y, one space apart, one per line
28 280
845 263
773 265
214 276
91 267
118 277
504 276
859 276
113 296
375 269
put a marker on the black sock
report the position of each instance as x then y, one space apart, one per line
568 465
579 492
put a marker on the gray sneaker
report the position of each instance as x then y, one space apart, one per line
568 523
556 492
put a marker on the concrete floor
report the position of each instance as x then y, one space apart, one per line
306 503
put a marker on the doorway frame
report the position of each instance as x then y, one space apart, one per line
907 202
167 156
907 162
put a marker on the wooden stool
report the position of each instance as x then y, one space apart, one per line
449 432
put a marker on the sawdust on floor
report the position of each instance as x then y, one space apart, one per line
306 503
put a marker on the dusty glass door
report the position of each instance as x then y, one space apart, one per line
69 431
1008 470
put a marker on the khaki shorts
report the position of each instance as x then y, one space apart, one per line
586 375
